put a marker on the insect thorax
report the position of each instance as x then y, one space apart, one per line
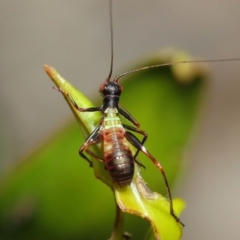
111 119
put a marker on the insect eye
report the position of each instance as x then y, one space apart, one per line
102 87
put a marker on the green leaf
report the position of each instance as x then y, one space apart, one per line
131 199
53 195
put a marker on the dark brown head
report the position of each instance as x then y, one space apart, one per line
110 89
110 92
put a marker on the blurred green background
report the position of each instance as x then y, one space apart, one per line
74 38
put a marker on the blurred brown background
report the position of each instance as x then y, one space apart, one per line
74 37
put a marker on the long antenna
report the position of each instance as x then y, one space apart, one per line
111 30
173 63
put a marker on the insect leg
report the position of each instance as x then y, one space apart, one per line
92 109
94 138
128 116
145 136
137 144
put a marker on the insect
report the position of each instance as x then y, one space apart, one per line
115 136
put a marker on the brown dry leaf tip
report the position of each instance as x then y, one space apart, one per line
48 69
144 190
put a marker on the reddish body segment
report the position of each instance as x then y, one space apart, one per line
118 158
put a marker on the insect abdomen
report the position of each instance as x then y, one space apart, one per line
118 157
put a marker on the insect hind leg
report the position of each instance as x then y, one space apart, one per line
137 144
145 136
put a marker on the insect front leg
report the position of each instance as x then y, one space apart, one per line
92 109
137 144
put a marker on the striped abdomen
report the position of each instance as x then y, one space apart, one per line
117 155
